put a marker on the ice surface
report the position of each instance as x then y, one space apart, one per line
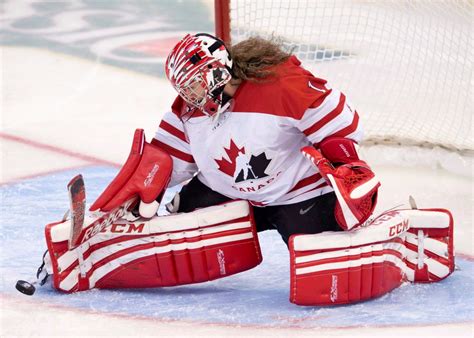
255 298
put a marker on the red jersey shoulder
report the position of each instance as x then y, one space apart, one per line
290 93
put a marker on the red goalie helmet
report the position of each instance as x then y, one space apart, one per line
198 67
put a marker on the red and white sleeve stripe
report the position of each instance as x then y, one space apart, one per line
171 137
334 116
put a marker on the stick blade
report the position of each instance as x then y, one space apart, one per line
77 201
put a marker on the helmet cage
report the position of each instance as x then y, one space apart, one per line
204 89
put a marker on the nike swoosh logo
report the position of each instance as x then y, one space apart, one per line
304 211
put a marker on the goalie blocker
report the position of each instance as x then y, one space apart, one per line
145 174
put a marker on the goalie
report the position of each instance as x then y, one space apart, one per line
263 144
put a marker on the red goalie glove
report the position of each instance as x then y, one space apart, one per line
145 174
354 183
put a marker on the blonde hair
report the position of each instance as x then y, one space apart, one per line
253 58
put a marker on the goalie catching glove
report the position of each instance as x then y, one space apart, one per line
354 183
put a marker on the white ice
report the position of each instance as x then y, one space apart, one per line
91 110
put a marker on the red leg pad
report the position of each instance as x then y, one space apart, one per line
203 245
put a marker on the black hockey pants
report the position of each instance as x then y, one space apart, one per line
308 217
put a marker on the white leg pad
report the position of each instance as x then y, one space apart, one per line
346 267
186 248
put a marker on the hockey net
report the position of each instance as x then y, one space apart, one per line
407 65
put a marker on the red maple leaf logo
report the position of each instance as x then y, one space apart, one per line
226 166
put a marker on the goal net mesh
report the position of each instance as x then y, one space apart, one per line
406 65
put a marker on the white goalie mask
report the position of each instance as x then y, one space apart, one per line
198 67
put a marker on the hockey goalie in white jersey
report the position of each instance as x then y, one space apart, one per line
263 144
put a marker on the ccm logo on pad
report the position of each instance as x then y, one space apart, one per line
130 228
399 228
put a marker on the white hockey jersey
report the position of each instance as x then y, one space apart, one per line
252 151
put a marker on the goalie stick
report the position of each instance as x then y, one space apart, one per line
77 202
77 195
104 221
77 205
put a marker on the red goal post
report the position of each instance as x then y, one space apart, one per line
407 65
222 19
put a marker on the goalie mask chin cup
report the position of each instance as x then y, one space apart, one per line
199 67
